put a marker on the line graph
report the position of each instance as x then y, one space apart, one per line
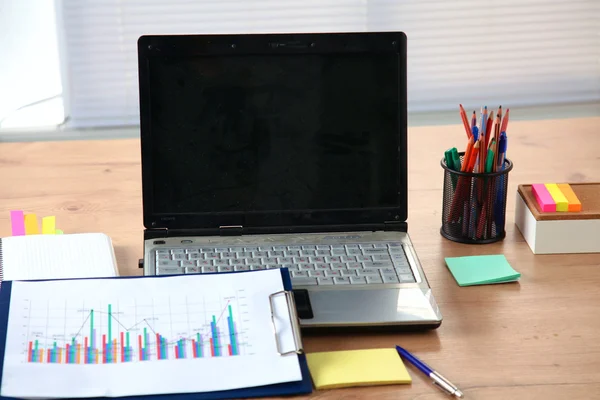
82 338
135 330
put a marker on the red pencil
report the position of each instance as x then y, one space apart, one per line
463 186
488 130
504 121
463 116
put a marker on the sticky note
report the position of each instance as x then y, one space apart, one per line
559 198
31 224
336 369
49 225
481 270
572 199
59 232
17 223
543 197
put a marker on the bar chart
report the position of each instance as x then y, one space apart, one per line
131 332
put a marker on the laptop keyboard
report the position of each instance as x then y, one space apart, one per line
309 265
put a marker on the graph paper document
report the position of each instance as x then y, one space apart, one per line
143 336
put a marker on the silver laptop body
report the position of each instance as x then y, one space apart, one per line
284 151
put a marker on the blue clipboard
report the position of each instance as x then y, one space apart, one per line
280 389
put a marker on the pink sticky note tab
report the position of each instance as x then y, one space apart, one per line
17 221
543 197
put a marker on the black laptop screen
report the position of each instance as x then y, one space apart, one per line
274 132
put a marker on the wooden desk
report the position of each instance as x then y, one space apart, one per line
537 339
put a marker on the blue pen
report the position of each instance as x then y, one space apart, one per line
437 378
500 192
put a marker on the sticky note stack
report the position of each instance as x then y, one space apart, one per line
481 270
337 369
552 197
27 224
559 218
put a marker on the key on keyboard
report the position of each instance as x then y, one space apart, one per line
309 265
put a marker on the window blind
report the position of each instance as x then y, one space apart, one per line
527 52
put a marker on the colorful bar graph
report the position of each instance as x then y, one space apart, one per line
140 348
104 349
90 350
109 358
128 358
232 334
215 337
163 348
159 352
116 347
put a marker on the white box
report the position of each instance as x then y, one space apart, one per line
568 233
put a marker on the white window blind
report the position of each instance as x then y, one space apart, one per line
515 52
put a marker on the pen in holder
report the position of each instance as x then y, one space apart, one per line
474 204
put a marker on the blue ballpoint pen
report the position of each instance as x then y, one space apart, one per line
437 378
500 192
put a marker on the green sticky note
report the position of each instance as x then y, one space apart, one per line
481 270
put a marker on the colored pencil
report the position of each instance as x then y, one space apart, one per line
463 117
504 121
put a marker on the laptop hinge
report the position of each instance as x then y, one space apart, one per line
231 230
395 226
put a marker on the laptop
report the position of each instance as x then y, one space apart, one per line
265 151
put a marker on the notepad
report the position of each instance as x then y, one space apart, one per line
81 255
337 369
481 270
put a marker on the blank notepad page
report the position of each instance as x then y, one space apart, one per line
83 255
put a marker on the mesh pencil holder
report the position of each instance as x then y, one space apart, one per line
474 205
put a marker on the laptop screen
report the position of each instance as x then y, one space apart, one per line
274 132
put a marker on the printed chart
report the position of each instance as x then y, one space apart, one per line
143 336
134 331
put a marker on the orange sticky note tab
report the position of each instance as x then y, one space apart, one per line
49 225
572 199
59 232
31 225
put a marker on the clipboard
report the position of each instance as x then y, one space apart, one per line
303 386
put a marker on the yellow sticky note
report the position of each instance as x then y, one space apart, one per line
336 369
567 190
559 198
31 225
59 232
49 225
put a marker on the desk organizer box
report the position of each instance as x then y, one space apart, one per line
555 232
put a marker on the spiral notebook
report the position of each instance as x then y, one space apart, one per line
81 255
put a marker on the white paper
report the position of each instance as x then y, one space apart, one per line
82 255
177 307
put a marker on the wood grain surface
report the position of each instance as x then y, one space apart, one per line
536 339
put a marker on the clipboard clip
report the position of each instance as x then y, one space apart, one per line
291 306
